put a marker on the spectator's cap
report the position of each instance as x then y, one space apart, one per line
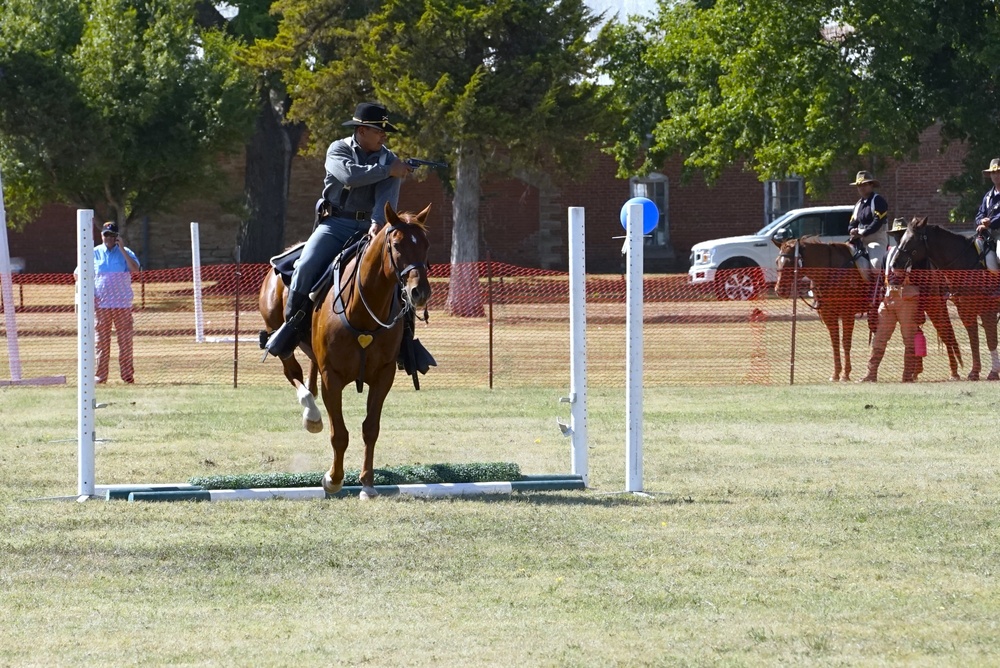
994 166
864 177
109 228
372 115
898 226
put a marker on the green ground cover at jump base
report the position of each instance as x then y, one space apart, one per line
811 525
405 474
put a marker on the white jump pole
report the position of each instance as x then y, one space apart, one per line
199 315
633 351
7 287
578 342
86 403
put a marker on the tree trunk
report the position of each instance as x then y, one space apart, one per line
268 166
464 294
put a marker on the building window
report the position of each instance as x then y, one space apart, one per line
781 196
654 187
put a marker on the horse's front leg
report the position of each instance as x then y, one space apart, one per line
833 327
848 339
990 327
370 428
333 392
312 419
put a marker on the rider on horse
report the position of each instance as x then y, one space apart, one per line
868 224
988 216
362 175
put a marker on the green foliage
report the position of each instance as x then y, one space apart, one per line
505 76
115 105
801 88
394 475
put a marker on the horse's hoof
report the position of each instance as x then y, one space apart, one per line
994 375
972 376
955 377
329 486
368 493
313 426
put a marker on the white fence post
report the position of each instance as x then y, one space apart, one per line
578 342
633 351
199 316
7 291
86 403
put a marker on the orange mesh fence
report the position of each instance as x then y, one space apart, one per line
521 338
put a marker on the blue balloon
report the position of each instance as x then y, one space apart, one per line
650 214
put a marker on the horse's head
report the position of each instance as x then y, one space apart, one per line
789 257
912 246
406 242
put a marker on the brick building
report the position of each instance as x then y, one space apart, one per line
520 223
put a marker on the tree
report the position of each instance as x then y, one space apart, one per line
801 88
494 86
115 105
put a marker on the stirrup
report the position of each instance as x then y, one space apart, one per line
282 342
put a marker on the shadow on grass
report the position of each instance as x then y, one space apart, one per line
592 498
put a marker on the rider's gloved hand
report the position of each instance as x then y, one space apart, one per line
373 229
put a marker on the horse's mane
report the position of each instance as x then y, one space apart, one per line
410 218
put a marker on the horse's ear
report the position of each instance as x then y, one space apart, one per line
422 216
777 243
919 222
390 216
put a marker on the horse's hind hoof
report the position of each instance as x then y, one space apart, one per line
313 426
972 376
329 486
994 375
368 493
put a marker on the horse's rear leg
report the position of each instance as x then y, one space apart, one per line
973 330
848 339
990 327
833 327
312 419
333 480
937 313
371 427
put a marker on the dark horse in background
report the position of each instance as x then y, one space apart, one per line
973 289
357 328
842 292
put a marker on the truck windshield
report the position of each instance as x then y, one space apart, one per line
768 229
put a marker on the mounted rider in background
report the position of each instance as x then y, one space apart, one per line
988 216
867 228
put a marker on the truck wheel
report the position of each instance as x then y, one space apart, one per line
739 283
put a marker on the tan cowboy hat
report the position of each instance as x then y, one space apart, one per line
898 226
864 177
994 166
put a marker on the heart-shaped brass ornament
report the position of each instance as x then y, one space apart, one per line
364 340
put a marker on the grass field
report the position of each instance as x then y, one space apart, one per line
813 525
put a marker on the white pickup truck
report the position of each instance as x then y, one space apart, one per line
740 268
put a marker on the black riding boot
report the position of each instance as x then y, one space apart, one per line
282 342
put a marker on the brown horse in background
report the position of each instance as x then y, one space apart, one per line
840 290
830 268
973 289
356 333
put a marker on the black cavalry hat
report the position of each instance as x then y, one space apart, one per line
372 115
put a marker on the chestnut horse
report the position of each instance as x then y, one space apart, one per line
972 287
832 272
356 332
840 290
